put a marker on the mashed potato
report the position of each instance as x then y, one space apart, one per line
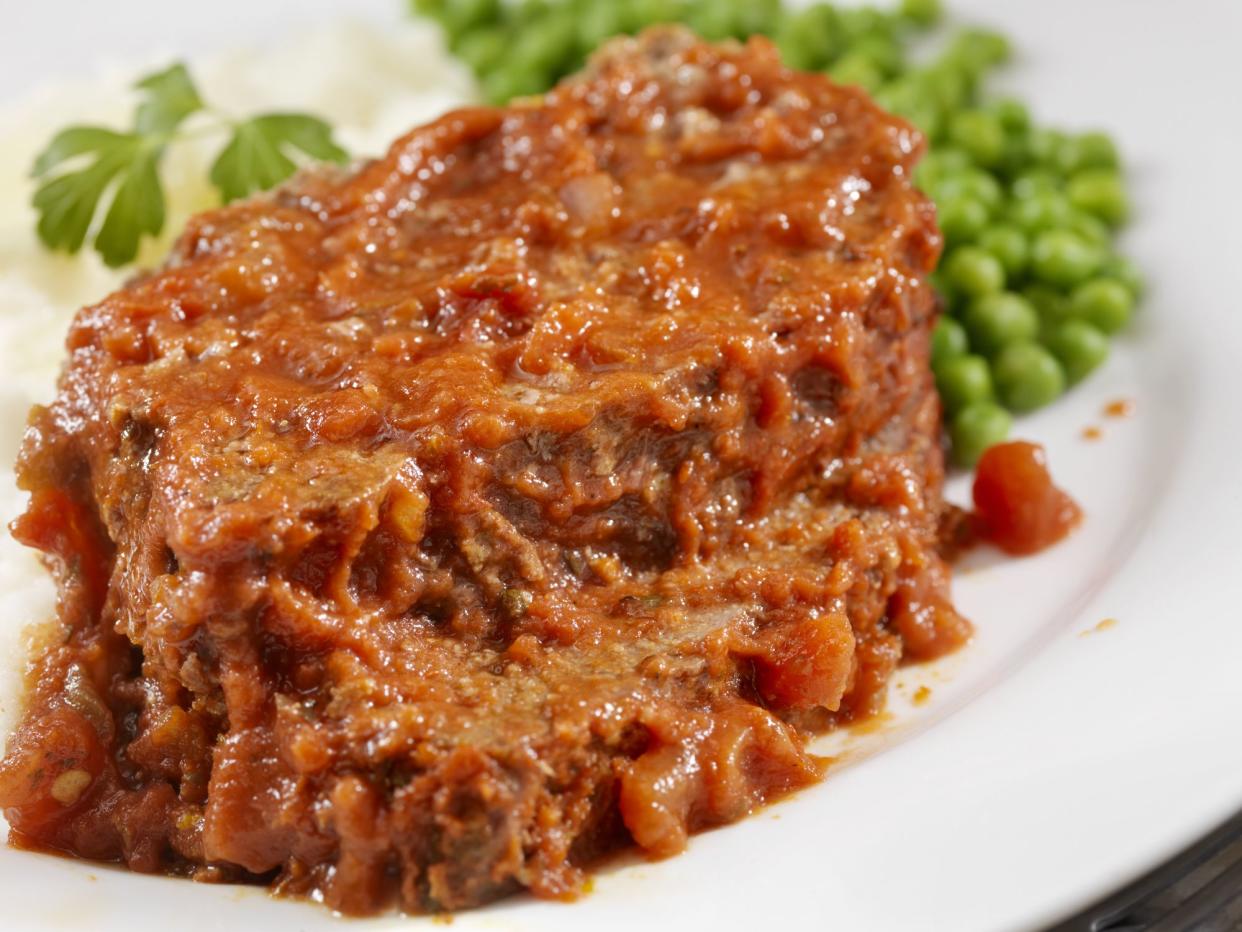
371 83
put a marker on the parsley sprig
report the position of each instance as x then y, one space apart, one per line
102 181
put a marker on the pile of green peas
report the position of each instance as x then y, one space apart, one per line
1031 285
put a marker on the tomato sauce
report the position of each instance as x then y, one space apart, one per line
1017 506
427 531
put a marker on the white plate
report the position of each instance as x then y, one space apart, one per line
1047 767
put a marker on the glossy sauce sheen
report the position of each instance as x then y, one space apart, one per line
427 532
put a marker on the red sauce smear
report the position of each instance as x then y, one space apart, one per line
1017 506
1122 407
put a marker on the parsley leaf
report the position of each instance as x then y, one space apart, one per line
125 164
171 97
137 208
76 140
86 171
67 203
257 157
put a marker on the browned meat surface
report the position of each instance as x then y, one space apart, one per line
425 533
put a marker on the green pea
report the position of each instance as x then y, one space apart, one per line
884 53
1060 257
948 339
644 13
759 17
545 47
460 16
1090 150
1040 211
925 175
973 183
1011 113
970 271
809 39
600 21
481 48
940 282
860 21
979 134
1097 150
1123 270
525 12
1027 376
963 380
1104 303
1008 244
1051 305
857 69
947 85
993 321
979 49
797 48
961 219
504 84
1034 182
906 99
922 13
1100 191
1014 160
720 19
944 160
1079 347
1045 146
1090 228
977 427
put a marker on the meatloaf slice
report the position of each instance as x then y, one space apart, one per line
426 532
